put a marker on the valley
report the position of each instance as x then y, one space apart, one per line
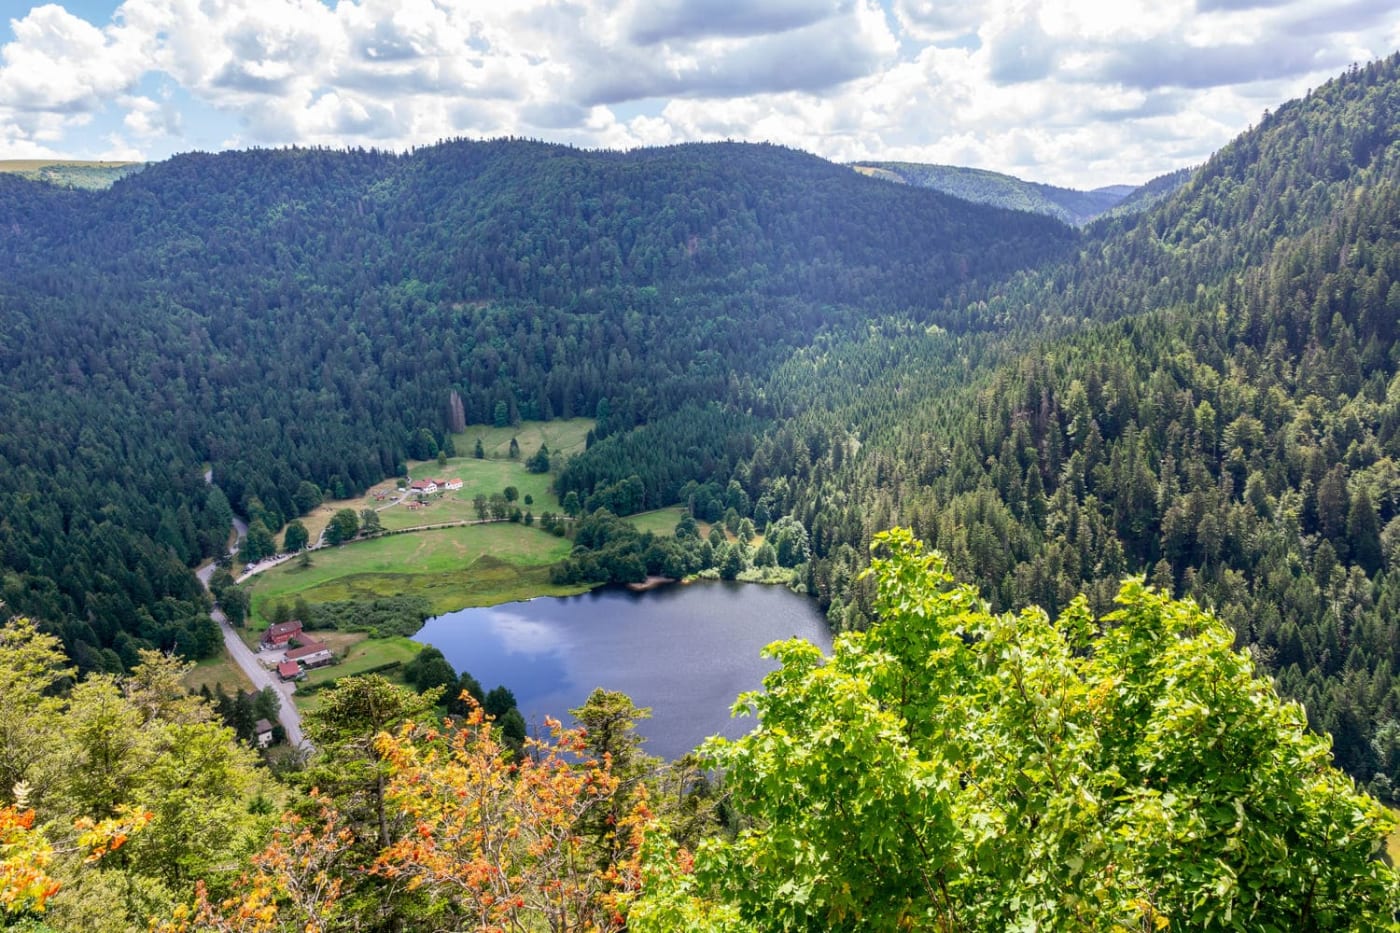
1104 521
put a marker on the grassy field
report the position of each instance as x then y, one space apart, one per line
449 507
453 568
563 437
318 518
357 654
663 522
219 670
488 476
71 173
475 565
660 522
485 477
33 165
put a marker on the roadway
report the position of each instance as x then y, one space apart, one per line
247 661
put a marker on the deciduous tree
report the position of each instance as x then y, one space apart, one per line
344 525
295 537
952 769
497 839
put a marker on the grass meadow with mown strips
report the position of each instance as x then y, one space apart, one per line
453 568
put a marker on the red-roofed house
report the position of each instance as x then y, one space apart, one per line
279 634
454 483
289 670
424 486
312 654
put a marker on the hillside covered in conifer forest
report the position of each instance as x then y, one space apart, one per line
1158 459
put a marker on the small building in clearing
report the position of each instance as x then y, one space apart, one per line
289 670
453 483
279 634
312 654
425 487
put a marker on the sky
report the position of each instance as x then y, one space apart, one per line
1079 93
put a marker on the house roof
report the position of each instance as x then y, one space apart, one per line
261 726
288 669
282 628
308 649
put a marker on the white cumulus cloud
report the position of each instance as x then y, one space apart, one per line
1064 91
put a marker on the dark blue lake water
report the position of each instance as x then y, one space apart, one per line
684 651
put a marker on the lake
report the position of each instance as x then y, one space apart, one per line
685 651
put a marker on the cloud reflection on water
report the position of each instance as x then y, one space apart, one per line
520 634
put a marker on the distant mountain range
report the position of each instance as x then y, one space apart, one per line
1068 205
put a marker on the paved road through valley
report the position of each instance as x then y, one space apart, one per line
244 657
262 678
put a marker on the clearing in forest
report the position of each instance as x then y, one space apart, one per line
485 476
566 437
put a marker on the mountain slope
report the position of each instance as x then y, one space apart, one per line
983 187
1146 195
1207 396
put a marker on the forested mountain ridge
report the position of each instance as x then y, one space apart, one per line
980 186
1219 415
1151 192
297 319
508 218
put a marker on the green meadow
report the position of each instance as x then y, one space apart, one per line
217 670
479 477
661 522
453 568
70 173
563 437
486 476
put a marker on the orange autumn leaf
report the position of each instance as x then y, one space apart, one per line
24 855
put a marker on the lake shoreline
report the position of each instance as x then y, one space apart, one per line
651 583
